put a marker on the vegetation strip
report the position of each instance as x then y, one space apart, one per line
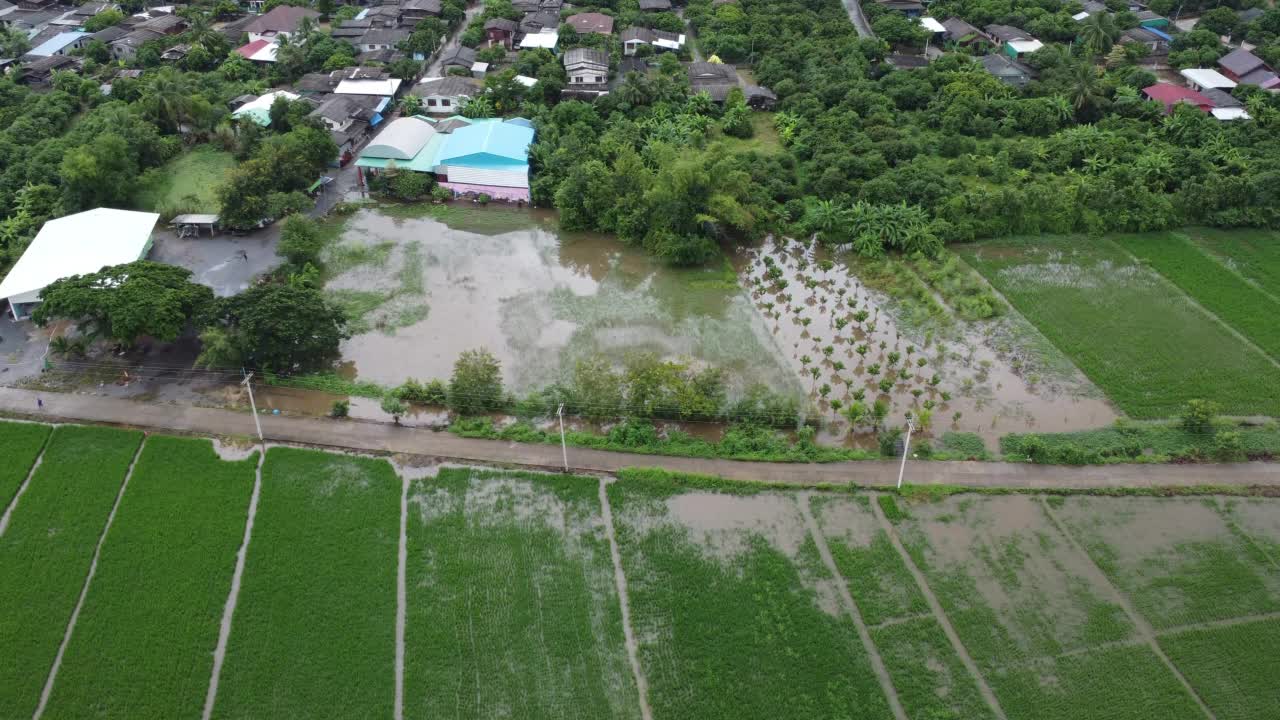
938 612
851 607
141 645
624 602
324 540
237 576
46 551
1143 627
84 589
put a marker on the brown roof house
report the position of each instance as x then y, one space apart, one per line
282 20
501 31
591 22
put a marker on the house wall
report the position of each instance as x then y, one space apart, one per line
479 176
499 37
588 76
496 192
443 104
629 47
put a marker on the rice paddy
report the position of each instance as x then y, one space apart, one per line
1152 336
721 601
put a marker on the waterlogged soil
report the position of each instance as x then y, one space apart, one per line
984 377
539 299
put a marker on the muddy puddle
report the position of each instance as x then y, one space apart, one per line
843 340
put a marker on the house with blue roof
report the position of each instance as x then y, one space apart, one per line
61 44
487 156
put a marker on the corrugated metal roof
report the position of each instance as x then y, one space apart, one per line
486 144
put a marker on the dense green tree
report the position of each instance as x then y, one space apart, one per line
283 327
476 384
126 302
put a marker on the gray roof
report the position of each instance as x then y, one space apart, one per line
705 72
461 55
452 124
655 4
1240 61
430 7
282 18
957 28
384 36
110 35
1248 15
1261 77
535 21
1221 98
637 33
448 86
590 56
1008 70
340 107
351 29
136 38
162 23
504 24
1005 33
906 62
316 82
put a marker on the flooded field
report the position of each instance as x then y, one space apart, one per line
508 281
430 282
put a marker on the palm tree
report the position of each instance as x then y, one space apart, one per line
1083 91
1097 33
634 90
825 219
167 99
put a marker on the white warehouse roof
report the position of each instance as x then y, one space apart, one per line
386 87
1206 78
545 39
78 245
932 25
402 139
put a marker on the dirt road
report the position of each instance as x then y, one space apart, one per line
385 438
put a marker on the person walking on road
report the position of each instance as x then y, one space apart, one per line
40 403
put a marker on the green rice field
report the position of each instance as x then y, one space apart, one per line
721 600
1177 325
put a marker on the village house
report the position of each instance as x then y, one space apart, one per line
910 8
1008 70
349 119
501 31
1248 69
1013 41
717 79
281 20
127 46
655 5
61 44
444 95
963 34
1202 78
591 22
540 20
413 12
365 81
39 73
461 56
381 38
1156 42
588 72
633 37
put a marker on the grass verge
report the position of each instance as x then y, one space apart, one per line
314 632
511 600
142 644
46 551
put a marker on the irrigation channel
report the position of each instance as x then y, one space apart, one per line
427 282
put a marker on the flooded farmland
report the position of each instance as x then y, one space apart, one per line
429 282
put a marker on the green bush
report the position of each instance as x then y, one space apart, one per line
888 441
340 409
430 393
476 385
1228 446
1198 415
967 445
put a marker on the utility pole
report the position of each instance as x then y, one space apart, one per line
564 448
253 406
906 448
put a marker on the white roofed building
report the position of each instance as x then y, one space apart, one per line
77 244
1203 78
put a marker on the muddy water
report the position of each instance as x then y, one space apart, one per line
974 363
539 299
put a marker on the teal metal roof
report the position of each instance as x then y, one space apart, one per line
424 161
488 143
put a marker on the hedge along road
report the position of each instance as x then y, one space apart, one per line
386 438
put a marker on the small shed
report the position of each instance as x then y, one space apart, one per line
190 225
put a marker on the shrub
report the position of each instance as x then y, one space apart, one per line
889 441
633 433
408 185
300 241
440 193
394 407
476 384
1198 415
341 408
1228 446
967 445
430 393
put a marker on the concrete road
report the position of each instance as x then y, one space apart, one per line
385 438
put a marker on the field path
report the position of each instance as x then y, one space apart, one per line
851 607
84 590
386 438
1144 629
229 611
938 613
620 579
8 512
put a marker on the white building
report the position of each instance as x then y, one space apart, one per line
1204 78
77 244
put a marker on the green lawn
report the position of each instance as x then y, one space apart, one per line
20 445
187 183
511 601
1254 254
142 645
1233 668
726 603
1131 332
46 551
314 630
1218 289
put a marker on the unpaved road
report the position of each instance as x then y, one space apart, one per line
385 438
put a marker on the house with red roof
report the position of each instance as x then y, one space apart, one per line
1169 95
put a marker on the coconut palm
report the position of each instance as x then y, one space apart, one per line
1097 33
167 99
